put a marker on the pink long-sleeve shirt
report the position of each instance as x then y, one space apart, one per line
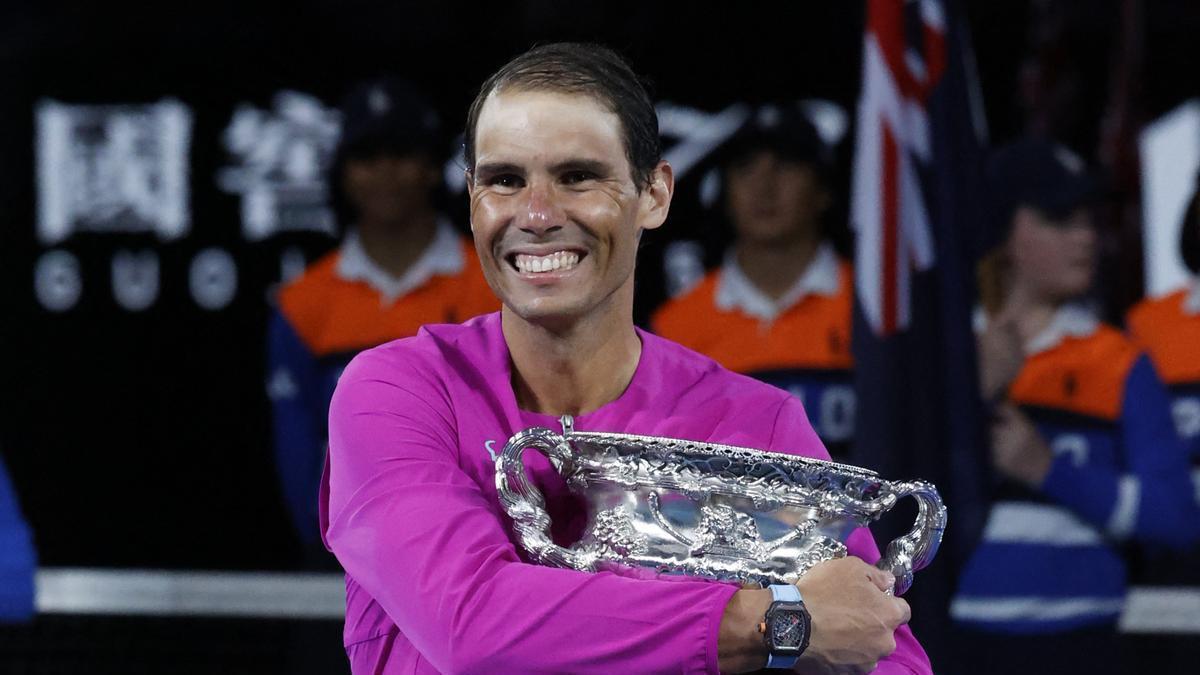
435 581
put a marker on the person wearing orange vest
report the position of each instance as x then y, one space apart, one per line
779 306
1168 328
1081 439
401 265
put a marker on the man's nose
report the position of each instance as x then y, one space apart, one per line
541 213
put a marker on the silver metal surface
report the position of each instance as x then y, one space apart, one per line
702 509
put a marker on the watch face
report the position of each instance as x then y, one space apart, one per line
787 630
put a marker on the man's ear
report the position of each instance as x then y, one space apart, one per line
656 197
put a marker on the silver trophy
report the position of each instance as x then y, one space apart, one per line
708 510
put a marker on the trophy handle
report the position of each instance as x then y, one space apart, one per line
524 503
916 549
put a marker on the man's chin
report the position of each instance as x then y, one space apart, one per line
550 313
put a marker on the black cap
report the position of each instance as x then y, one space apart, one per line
783 129
1039 173
389 115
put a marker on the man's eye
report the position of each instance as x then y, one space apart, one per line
505 180
576 177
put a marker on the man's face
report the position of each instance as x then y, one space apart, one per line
1055 257
386 188
773 200
554 209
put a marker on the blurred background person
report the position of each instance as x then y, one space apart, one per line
1168 328
1081 437
779 306
402 264
17 557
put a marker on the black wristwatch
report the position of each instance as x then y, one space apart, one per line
786 627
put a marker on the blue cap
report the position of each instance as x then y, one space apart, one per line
1037 173
389 115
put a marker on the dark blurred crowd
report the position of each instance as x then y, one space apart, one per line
1094 427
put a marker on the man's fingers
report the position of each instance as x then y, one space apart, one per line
882 579
905 610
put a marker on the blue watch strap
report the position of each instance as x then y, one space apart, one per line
783 593
782 662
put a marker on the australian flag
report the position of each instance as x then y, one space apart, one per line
916 187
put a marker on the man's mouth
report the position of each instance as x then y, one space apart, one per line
558 261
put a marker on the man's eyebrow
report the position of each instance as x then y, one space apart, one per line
496 168
593 166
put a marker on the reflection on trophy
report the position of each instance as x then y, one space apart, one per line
708 510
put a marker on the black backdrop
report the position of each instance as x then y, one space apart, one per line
140 438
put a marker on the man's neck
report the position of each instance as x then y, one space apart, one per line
774 267
395 246
572 369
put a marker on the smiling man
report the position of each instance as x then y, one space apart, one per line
565 171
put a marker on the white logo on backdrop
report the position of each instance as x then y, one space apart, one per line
135 279
112 168
683 263
212 279
57 281
281 158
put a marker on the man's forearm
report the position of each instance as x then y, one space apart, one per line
740 647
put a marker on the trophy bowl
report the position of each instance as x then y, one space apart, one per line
702 509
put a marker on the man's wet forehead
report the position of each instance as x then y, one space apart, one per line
545 124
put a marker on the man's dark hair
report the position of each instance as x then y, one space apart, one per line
1189 232
592 70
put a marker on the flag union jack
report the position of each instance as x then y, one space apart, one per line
904 57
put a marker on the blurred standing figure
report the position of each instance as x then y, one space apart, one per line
1168 328
1081 438
18 559
779 307
401 265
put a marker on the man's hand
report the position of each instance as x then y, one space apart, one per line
1018 450
853 617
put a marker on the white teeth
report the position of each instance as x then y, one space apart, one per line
559 260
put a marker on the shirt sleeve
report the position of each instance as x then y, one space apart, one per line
298 423
1150 497
430 545
793 433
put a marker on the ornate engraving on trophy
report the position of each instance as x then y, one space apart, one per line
702 509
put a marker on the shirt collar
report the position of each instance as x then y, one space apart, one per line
736 291
443 256
1071 320
1191 303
